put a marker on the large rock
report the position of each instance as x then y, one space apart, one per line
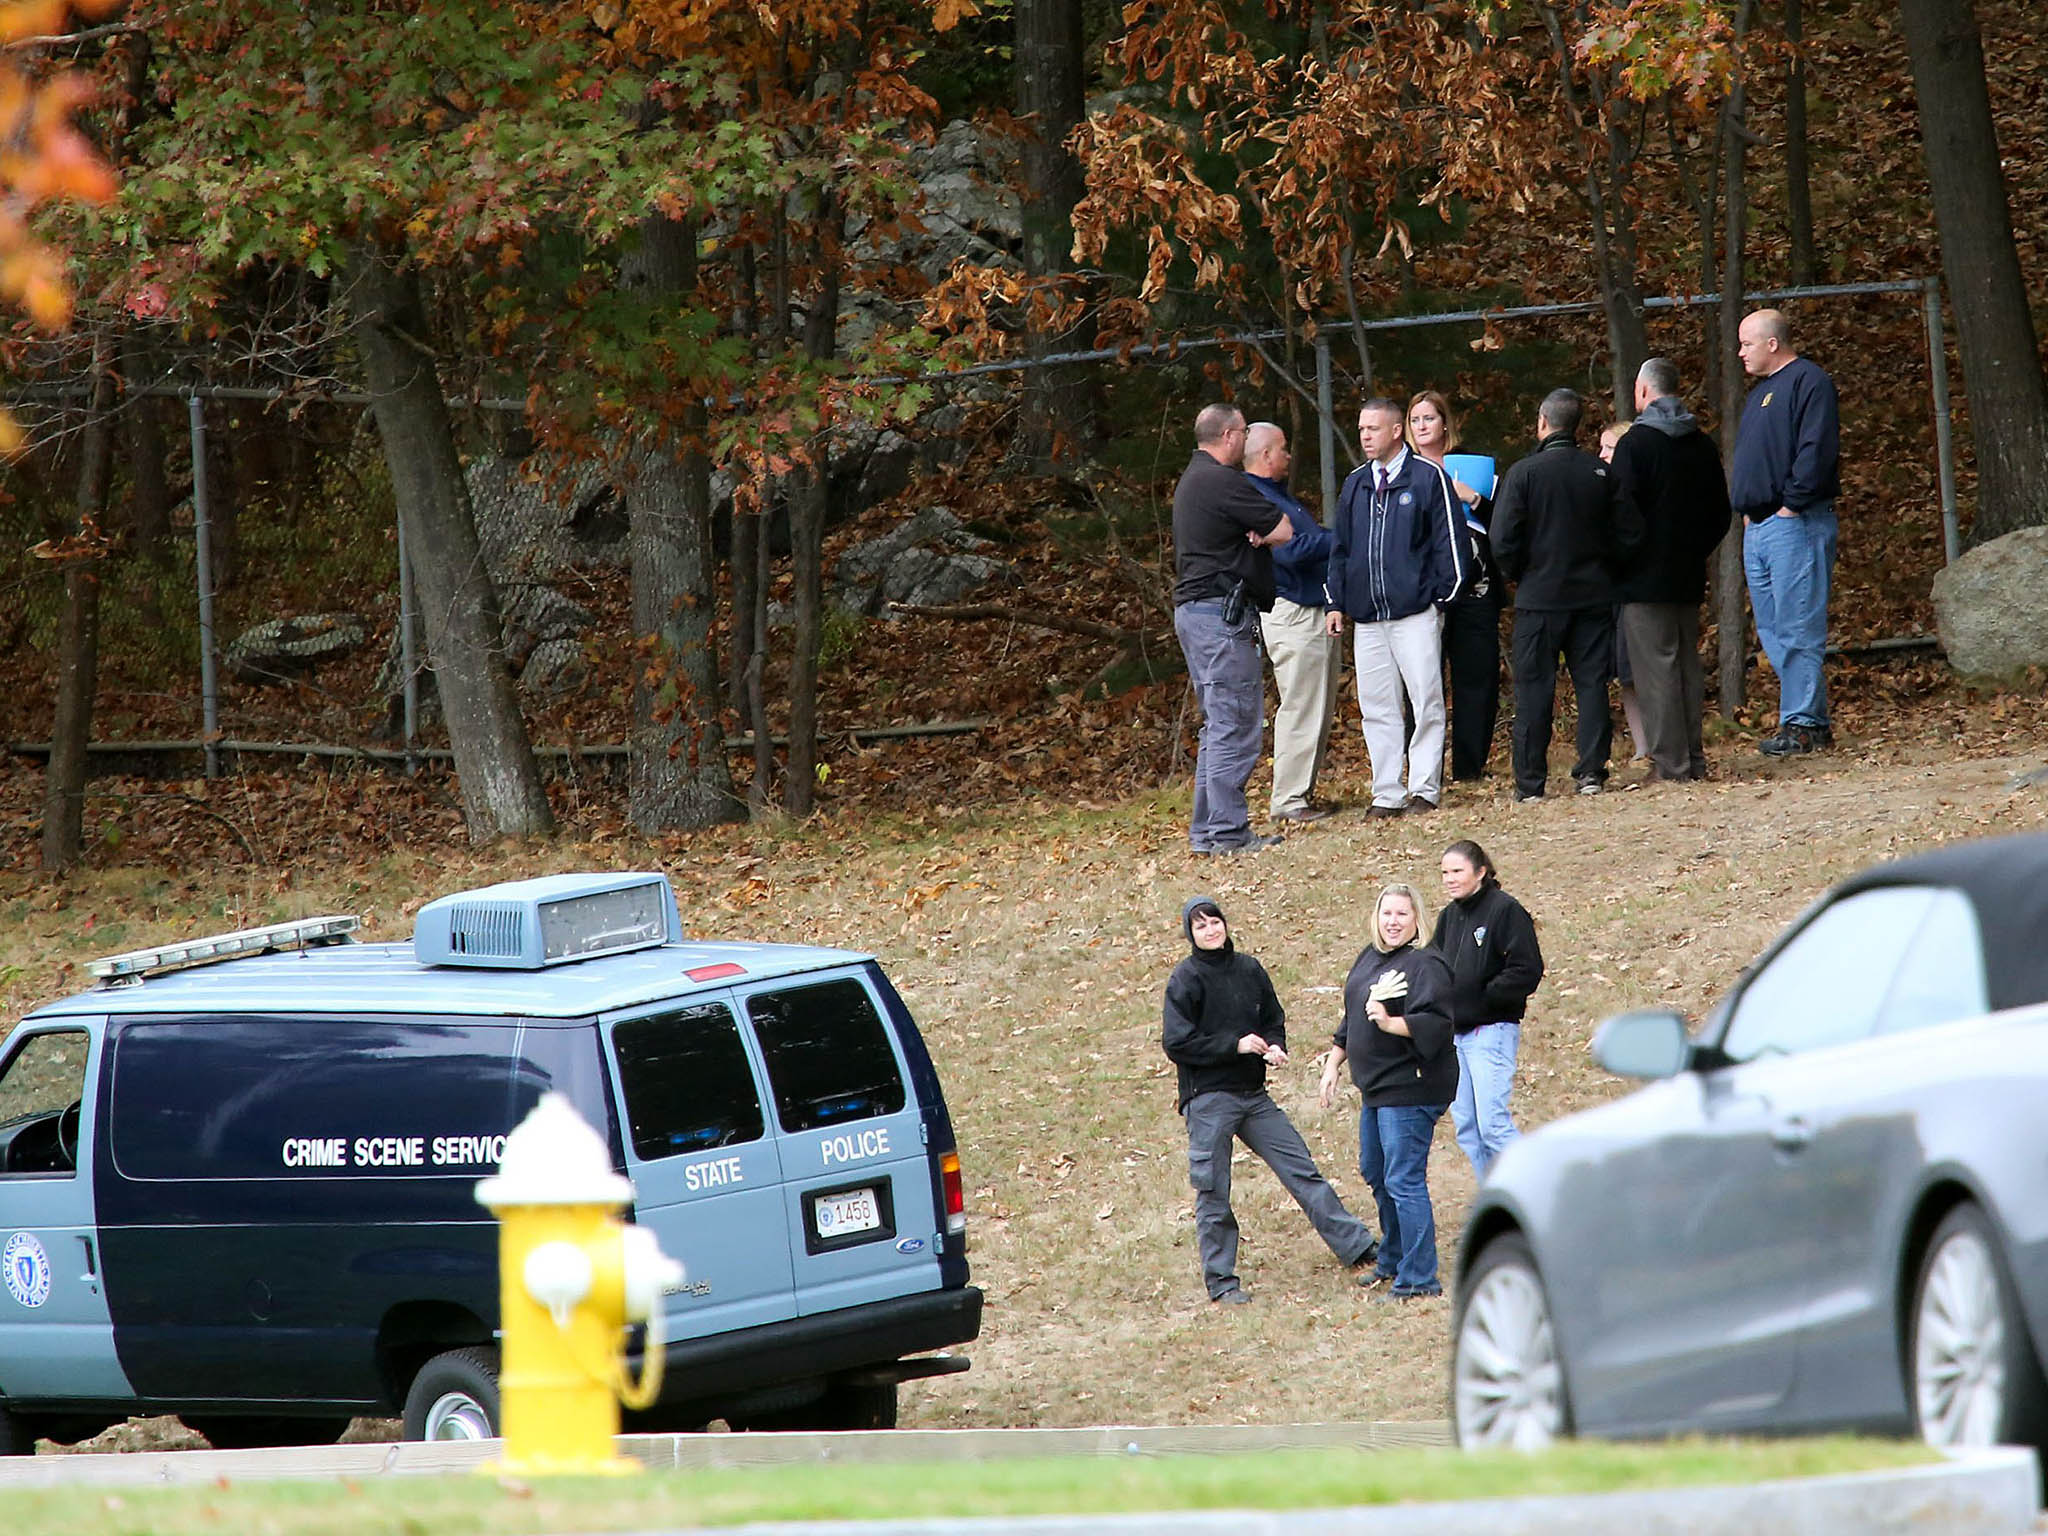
928 560
1991 606
280 650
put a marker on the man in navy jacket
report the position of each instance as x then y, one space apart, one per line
1305 658
1784 481
1394 564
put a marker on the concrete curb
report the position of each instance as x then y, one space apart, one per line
1975 1493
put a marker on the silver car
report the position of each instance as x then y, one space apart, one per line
1828 1209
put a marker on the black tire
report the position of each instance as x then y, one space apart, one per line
1974 1380
455 1397
18 1433
1504 1316
859 1405
233 1432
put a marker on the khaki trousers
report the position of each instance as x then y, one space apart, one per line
1306 663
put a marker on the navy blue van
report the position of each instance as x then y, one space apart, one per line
237 1176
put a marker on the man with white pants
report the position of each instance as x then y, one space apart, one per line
1394 564
1306 660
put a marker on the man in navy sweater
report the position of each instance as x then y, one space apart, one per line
1305 656
1784 482
1395 563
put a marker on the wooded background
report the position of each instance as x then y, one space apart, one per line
705 247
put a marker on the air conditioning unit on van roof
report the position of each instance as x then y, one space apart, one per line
528 925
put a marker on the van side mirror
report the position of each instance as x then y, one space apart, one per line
1646 1042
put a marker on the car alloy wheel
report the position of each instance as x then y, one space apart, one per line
457 1416
1974 1380
1507 1382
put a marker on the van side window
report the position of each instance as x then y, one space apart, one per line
828 1055
40 1096
687 1083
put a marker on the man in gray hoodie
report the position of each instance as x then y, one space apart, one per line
1670 486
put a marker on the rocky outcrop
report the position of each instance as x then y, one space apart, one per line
1991 606
928 560
283 650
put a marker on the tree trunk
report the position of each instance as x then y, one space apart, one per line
78 638
678 772
502 794
1798 179
1730 590
1057 418
809 486
1994 327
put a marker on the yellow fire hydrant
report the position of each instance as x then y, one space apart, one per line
571 1275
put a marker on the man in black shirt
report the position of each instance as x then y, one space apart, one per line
1222 532
1555 536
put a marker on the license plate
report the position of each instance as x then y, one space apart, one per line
853 1210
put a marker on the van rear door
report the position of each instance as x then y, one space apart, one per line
858 1192
706 1173
56 1338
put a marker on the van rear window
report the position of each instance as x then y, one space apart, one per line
687 1083
268 1098
828 1055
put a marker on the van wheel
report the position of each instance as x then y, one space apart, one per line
454 1397
859 1405
236 1433
19 1433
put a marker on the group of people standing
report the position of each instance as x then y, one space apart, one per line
1430 1023
1608 567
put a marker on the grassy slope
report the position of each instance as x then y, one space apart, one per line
1033 945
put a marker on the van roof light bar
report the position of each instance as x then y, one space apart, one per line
302 934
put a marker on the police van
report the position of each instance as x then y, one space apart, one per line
237 1177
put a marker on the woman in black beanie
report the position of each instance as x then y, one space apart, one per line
1224 1027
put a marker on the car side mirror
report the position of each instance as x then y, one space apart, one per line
1646 1042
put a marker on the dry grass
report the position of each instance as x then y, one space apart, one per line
1033 947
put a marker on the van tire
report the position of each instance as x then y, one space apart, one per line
18 1433
860 1405
455 1397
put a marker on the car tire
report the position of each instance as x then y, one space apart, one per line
1508 1387
1972 1378
227 1432
455 1397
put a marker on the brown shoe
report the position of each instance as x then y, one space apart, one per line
1387 810
1420 805
1305 814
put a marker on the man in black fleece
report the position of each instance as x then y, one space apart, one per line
1554 536
1667 475
1488 940
1224 1027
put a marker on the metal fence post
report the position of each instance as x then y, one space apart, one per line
406 656
1326 426
1944 430
202 538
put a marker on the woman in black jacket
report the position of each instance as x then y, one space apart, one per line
1223 1027
1396 1035
1488 940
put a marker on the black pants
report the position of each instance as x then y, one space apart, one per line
1585 638
1472 650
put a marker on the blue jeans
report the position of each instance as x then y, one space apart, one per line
1393 1157
1486 1076
1230 683
1790 563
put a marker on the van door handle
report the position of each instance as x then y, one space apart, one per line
91 1278
1792 1134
